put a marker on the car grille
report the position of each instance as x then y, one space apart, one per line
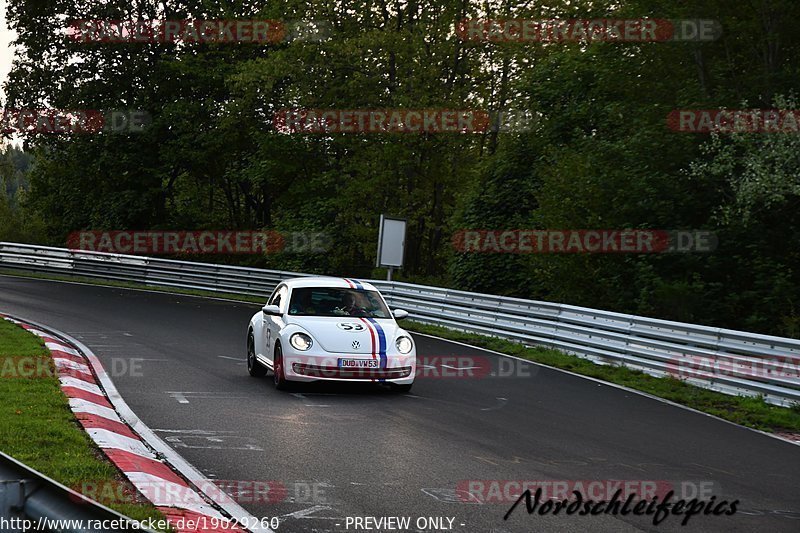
333 372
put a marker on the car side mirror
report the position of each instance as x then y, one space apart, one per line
399 314
272 310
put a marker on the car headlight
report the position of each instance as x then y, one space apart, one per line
300 341
404 344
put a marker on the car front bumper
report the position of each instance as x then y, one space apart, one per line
398 369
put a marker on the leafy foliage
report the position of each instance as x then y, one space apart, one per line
599 154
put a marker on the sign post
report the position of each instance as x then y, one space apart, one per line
391 244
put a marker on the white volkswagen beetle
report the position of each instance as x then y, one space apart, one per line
323 328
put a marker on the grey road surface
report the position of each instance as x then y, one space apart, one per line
447 455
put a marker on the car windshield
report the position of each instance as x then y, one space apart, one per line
332 301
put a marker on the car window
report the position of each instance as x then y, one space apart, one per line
279 295
333 301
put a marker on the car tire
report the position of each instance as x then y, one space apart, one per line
402 388
254 368
278 374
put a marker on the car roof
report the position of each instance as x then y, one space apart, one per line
328 281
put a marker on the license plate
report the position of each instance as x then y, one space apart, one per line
358 363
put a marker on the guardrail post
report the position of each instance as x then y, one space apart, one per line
12 500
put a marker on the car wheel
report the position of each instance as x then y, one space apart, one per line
279 377
402 388
254 368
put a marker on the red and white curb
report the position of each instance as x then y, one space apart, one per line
189 501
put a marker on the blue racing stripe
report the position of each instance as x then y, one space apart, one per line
358 284
381 341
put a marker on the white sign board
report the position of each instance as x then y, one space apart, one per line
391 242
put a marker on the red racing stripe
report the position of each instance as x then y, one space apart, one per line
349 283
45 338
371 336
92 421
130 462
73 392
77 374
58 354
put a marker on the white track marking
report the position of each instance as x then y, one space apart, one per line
38 332
460 367
194 431
80 384
502 404
61 348
448 495
108 439
305 513
183 396
79 405
209 440
61 362
179 396
168 494
180 442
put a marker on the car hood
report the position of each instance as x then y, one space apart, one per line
337 334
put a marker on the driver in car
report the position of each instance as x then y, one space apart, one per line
355 304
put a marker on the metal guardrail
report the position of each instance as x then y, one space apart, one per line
27 495
728 361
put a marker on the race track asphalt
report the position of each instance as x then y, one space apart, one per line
339 451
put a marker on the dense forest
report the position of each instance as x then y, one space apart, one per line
599 154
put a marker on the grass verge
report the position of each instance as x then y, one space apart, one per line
750 412
38 428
